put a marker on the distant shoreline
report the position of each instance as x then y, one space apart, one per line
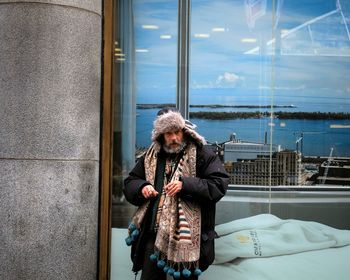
171 105
277 115
213 115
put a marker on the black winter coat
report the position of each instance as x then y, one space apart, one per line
207 189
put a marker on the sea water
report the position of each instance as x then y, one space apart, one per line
318 136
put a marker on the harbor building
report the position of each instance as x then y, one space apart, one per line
248 163
236 149
286 170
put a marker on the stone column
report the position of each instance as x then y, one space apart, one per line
50 88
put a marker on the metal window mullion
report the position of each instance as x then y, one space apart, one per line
182 94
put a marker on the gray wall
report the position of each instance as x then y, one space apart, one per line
50 77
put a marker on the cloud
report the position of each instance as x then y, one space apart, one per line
226 80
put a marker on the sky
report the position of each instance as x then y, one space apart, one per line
231 57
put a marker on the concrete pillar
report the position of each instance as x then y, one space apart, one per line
50 87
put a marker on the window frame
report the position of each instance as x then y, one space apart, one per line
106 140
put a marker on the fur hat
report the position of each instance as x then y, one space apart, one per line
166 122
172 120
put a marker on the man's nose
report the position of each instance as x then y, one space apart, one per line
172 136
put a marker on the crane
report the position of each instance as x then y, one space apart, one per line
327 167
300 139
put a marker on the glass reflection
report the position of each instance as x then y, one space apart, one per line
268 88
145 73
273 76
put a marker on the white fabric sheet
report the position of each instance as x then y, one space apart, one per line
325 264
263 247
266 235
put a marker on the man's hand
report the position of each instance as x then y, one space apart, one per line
148 191
173 188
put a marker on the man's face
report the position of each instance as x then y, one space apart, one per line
173 141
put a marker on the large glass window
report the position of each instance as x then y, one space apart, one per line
145 78
268 89
267 82
289 63
156 47
145 57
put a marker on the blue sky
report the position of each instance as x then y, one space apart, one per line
314 63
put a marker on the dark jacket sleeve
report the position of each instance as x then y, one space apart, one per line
211 182
134 183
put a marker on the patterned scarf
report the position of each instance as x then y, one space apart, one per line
178 221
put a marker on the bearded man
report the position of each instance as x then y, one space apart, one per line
176 185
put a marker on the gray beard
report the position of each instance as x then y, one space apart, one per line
174 150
